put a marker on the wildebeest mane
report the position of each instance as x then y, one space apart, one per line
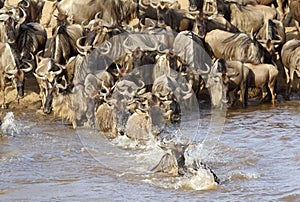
68 38
28 38
234 39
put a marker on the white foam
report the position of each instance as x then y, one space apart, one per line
9 126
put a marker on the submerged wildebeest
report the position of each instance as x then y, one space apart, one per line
177 162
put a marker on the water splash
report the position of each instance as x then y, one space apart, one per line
8 126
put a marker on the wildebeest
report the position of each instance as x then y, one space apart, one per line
25 38
250 18
178 20
11 68
31 39
216 87
64 42
235 78
10 22
237 46
147 9
176 162
263 76
207 24
139 126
106 119
80 12
274 31
190 48
290 54
33 9
71 106
46 73
98 31
295 12
279 4
196 5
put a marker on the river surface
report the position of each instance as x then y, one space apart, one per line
254 151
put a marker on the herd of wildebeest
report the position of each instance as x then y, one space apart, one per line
100 70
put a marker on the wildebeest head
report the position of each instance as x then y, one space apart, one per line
265 52
59 85
215 83
12 24
47 72
196 5
162 13
33 9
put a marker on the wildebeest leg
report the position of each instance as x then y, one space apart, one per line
280 9
232 97
2 84
264 93
290 83
244 94
287 75
90 114
298 27
271 86
43 93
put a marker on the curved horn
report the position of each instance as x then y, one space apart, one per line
38 57
162 51
11 41
59 85
142 5
22 19
277 41
194 12
58 72
118 69
189 16
104 88
127 47
153 5
30 66
189 89
106 46
38 76
154 48
97 15
205 71
84 48
27 4
142 84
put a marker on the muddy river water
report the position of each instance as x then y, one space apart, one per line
254 151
